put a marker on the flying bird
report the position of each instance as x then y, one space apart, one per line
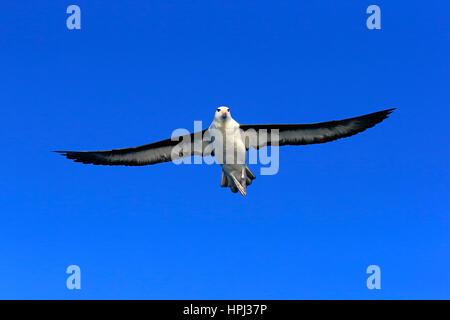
227 139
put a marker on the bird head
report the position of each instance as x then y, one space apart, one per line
222 114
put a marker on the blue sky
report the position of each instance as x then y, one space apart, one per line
139 69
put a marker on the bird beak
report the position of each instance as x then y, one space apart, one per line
224 114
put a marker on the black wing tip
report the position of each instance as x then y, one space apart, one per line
388 111
67 154
382 112
76 156
366 122
369 120
62 153
87 157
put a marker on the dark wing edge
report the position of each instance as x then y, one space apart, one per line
157 152
303 134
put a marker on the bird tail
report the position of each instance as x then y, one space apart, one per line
235 184
249 176
224 180
238 185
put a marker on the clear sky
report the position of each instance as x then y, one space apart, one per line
139 69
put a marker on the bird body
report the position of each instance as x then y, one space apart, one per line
229 148
229 142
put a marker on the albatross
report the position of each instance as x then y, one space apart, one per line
228 140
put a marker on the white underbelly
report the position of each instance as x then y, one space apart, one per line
233 156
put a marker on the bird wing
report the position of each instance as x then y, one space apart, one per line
157 152
257 135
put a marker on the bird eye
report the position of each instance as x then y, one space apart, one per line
228 109
218 110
